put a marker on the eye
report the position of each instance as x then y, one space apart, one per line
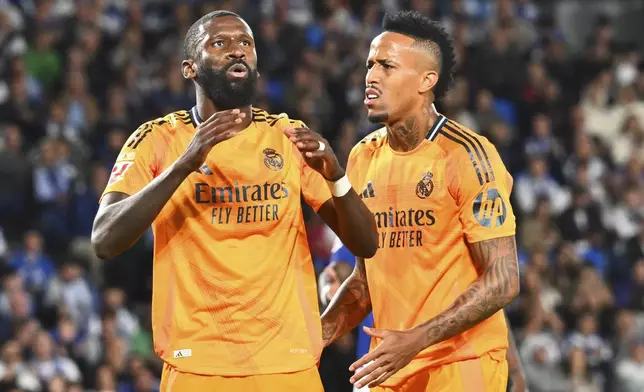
245 42
387 66
218 43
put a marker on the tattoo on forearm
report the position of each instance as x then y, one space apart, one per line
498 283
350 305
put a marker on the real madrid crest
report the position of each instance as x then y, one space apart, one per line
272 159
425 186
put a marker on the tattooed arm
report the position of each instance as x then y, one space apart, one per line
350 305
517 376
497 285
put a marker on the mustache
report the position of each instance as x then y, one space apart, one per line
371 86
235 62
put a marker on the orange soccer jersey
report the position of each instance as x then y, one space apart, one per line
234 289
428 203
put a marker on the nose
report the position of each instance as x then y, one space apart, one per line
236 53
372 77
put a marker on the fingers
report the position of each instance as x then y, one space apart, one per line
371 378
364 360
218 115
304 135
307 141
296 131
221 123
364 372
383 377
373 375
377 333
309 145
220 137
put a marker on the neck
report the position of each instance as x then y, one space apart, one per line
206 108
407 133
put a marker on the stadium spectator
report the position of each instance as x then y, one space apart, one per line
630 370
48 365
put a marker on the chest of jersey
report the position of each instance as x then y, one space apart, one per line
409 199
247 185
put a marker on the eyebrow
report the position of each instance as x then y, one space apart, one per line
381 61
226 35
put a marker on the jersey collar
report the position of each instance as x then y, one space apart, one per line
195 116
438 124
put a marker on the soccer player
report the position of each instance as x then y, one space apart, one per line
447 260
234 304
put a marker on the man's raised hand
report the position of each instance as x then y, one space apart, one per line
316 152
217 128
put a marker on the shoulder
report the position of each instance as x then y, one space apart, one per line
468 151
369 144
160 127
170 120
458 140
281 121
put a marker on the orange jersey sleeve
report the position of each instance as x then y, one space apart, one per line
136 164
314 187
353 169
481 186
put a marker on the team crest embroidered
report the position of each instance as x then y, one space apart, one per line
425 186
272 159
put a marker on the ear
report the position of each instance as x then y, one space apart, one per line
430 78
188 69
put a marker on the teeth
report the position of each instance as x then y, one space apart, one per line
372 96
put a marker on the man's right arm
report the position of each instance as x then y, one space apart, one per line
122 219
350 305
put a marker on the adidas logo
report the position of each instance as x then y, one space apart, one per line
182 353
368 191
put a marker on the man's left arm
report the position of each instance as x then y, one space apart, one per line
327 190
497 286
482 193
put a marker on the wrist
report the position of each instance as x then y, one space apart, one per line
337 174
180 169
339 187
423 337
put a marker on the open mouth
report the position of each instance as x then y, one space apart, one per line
237 71
371 94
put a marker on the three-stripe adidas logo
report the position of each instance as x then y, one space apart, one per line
468 140
368 191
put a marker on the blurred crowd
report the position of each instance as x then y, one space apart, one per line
78 76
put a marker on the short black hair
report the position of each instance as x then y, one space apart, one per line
194 34
430 34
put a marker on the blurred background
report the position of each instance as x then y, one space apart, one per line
557 86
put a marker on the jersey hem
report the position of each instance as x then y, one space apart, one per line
227 372
112 191
492 235
393 382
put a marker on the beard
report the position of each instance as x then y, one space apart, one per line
378 118
227 94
